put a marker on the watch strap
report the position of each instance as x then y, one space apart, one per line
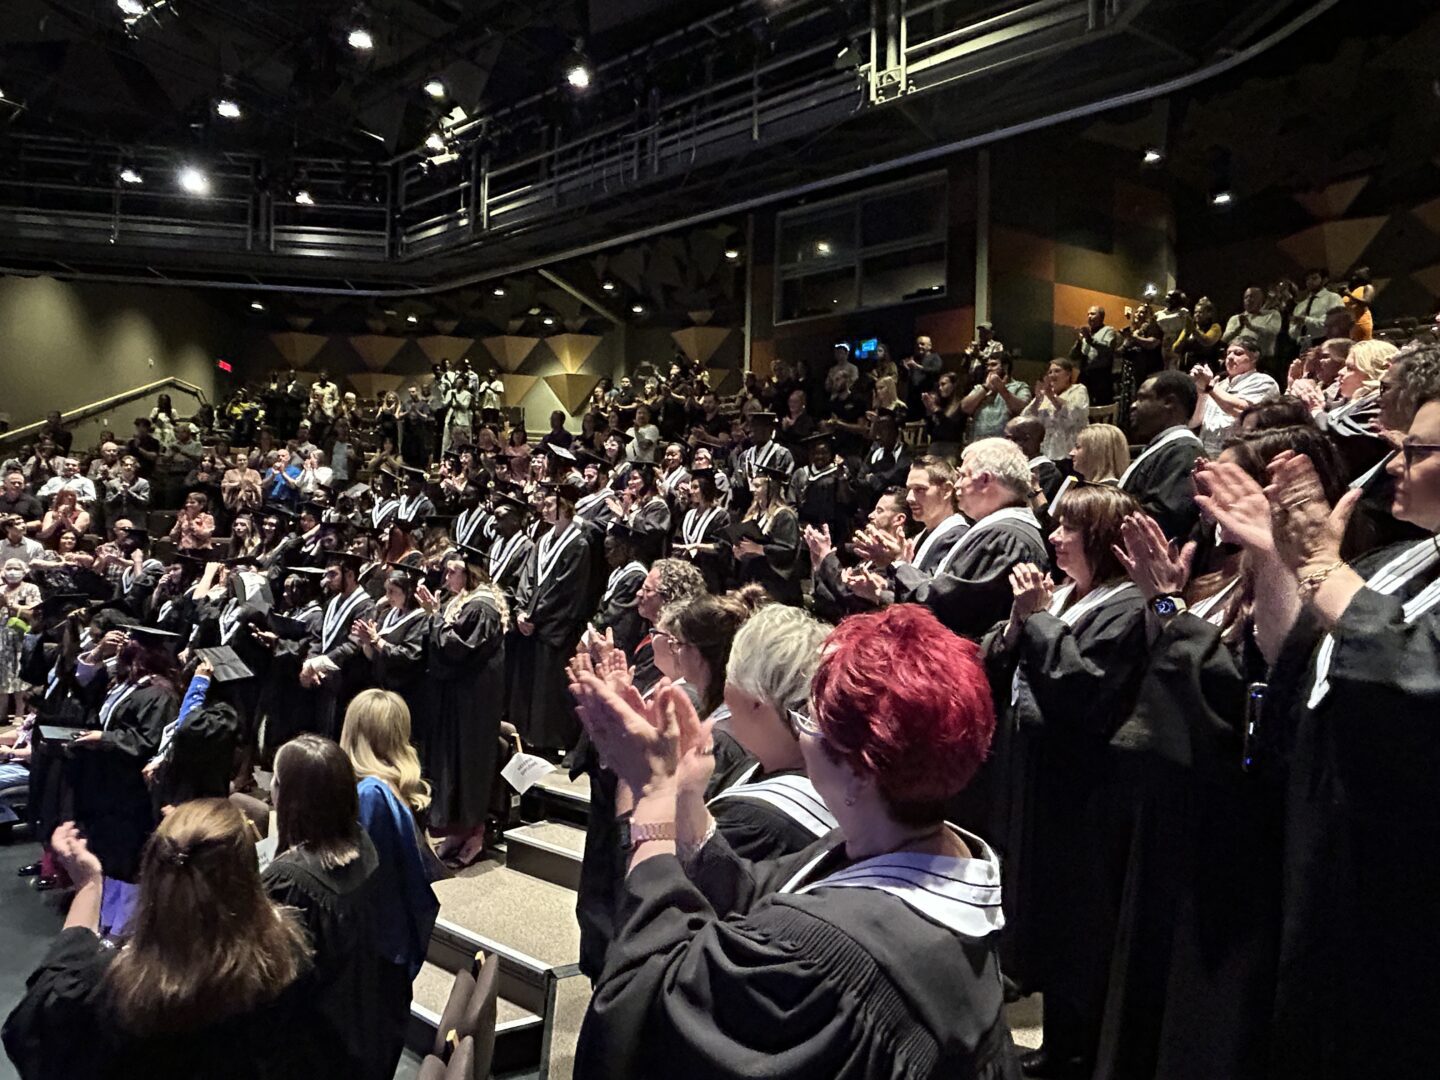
643 831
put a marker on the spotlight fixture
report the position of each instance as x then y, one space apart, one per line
549 320
499 290
360 40
228 109
1221 198
1151 290
132 8
579 73
1153 156
732 254
435 142
130 176
534 311
412 319
823 247
304 198
435 88
256 305
608 286
194 181
638 309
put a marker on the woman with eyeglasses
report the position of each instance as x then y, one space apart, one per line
869 954
1351 706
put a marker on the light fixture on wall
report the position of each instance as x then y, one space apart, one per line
608 285
360 39
193 180
256 305
579 72
638 309
498 291
1153 155
304 198
435 88
1222 198
131 176
412 319
228 109
732 254
549 320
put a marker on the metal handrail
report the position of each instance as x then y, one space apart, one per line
85 412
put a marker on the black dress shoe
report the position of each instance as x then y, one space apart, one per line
45 884
29 870
1040 1064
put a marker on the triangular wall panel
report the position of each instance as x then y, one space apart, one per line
572 350
700 343
1333 201
442 347
517 386
372 384
298 349
376 351
1336 244
572 390
511 350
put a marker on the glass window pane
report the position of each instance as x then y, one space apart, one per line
817 239
826 292
903 275
904 214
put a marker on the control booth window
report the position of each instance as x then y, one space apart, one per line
874 249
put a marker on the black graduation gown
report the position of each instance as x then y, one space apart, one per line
602 865
329 700
459 725
710 527
618 612
881 468
775 568
973 592
820 501
650 523
555 602
337 909
285 710
1164 482
112 803
507 562
65 1029
1192 976
767 815
1358 984
1063 805
401 666
729 976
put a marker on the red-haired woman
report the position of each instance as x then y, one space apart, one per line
869 954
1068 662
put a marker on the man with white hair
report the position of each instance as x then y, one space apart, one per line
969 590
70 479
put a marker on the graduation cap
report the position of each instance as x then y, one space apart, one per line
355 491
555 450
818 438
412 474
154 636
414 573
586 457
283 513
347 559
779 475
505 501
473 556
621 531
616 433
60 604
561 489
389 470
138 534
314 508
703 473
227 664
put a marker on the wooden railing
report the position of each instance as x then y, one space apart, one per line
95 408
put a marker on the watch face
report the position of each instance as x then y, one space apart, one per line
1164 605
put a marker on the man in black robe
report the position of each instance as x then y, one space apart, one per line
336 669
1162 476
618 613
511 546
884 464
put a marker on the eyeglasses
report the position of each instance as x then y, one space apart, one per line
675 642
1417 451
805 724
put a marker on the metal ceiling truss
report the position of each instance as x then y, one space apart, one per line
405 224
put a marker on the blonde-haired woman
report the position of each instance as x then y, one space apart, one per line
376 738
1101 454
460 745
209 980
766 554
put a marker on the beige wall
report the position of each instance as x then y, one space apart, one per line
64 345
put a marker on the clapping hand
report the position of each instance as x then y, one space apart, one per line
819 543
1152 561
866 584
1307 532
747 549
81 864
1230 496
1202 376
1033 590
638 742
994 382
427 599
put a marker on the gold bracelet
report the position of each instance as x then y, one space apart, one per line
1311 582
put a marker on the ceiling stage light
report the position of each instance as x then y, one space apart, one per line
1222 198
1153 156
256 305
194 181
608 286
435 88
436 142
549 320
360 39
638 309
499 290
130 176
133 8
228 109
733 254
412 319
304 198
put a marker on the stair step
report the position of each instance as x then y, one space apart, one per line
555 797
529 922
432 991
549 850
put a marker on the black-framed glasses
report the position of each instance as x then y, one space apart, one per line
1414 451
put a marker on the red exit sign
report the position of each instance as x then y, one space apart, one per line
223 365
